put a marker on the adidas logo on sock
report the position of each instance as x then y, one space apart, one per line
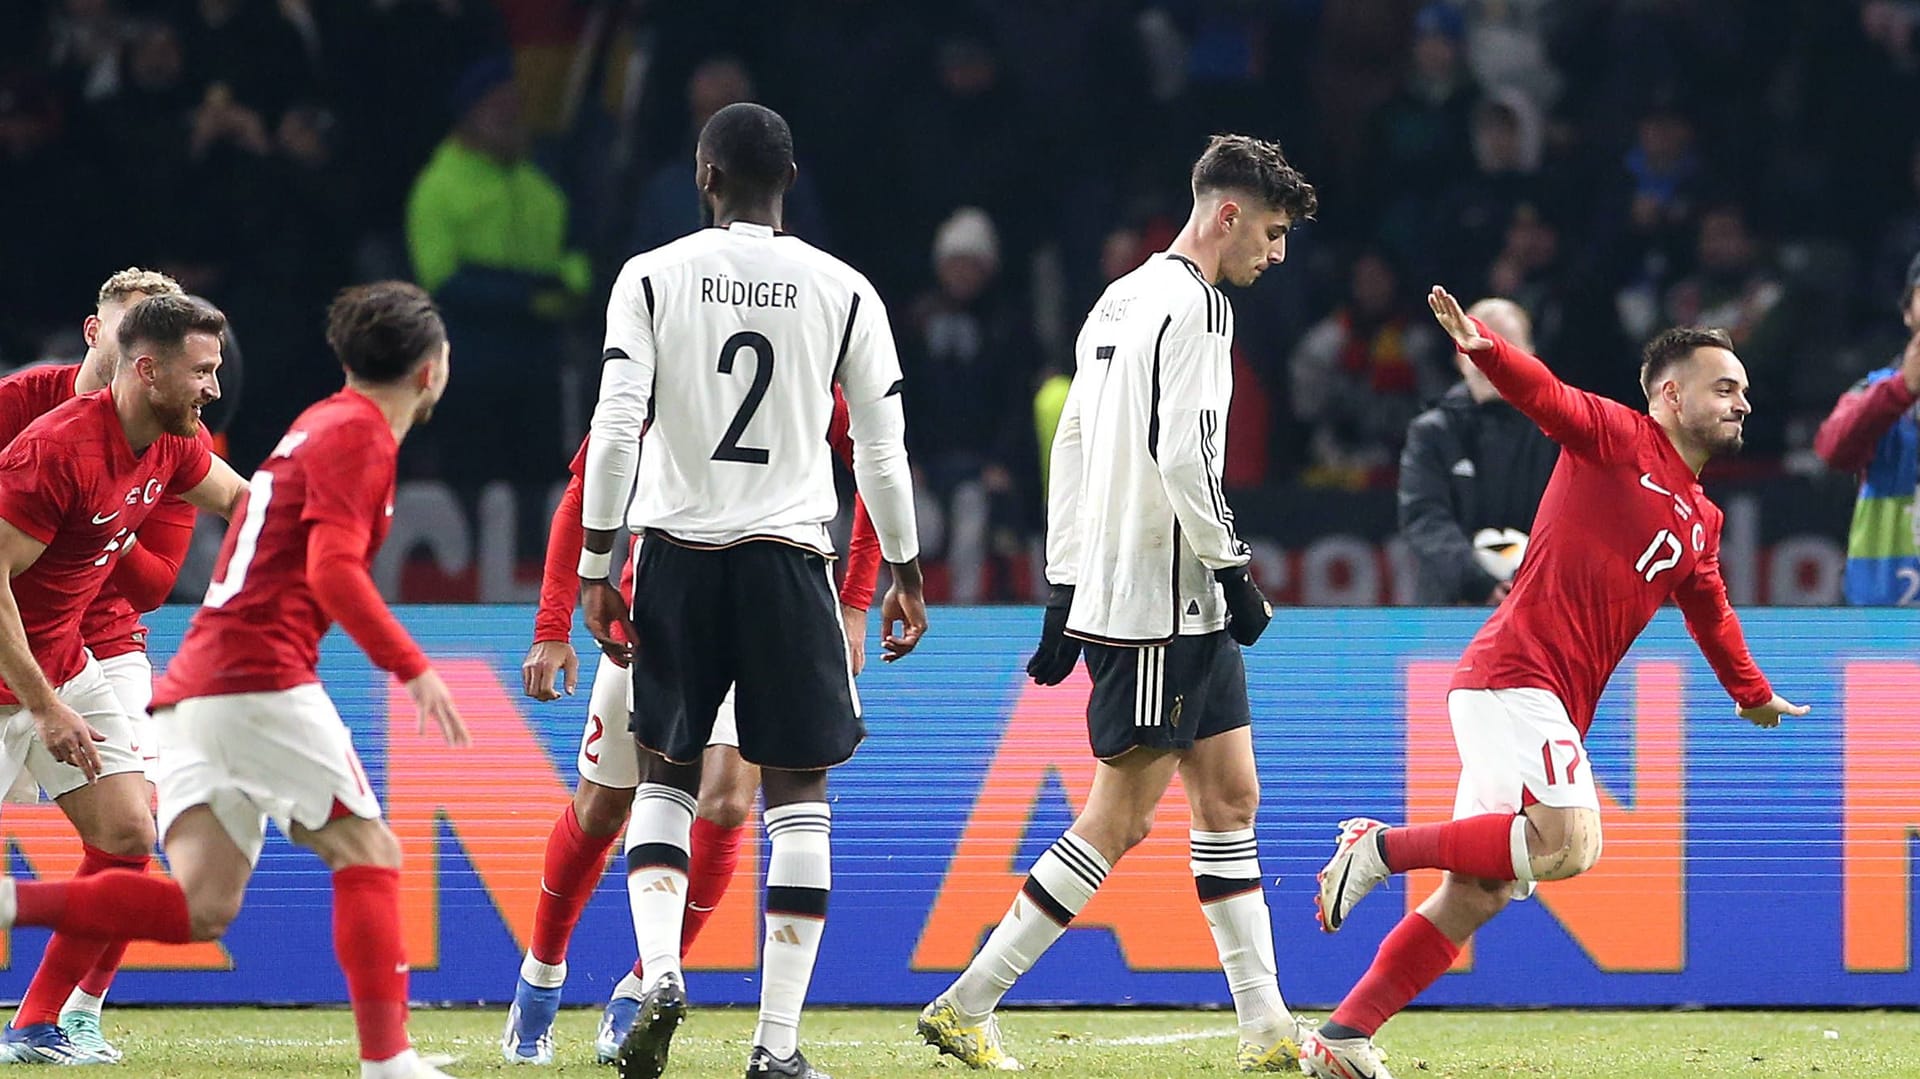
663 884
784 935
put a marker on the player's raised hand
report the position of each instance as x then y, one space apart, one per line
433 699
544 661
1769 714
70 738
1453 319
905 608
854 620
604 610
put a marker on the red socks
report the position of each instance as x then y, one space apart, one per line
1412 958
1479 846
70 958
575 861
366 940
714 855
100 978
117 903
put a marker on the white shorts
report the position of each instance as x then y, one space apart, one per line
284 754
608 755
1516 743
131 675
26 764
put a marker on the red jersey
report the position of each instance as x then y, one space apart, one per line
1623 525
72 482
110 626
560 581
259 629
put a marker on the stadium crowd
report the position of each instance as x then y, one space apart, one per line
1614 166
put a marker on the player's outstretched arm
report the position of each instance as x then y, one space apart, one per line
1716 629
1582 422
64 732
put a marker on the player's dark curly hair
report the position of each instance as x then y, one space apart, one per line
1256 167
1674 346
381 331
162 323
751 145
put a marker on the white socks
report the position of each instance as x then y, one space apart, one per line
658 836
799 878
1226 874
1057 889
543 975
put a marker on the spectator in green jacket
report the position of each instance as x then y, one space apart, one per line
487 232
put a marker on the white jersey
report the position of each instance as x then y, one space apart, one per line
732 339
1136 517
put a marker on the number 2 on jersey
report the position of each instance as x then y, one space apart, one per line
730 448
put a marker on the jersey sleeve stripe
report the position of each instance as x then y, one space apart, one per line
1153 403
898 385
1210 430
846 337
614 354
646 286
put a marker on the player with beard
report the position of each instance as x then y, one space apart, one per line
61 992
75 487
245 729
1623 526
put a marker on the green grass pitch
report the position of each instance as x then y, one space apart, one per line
209 1043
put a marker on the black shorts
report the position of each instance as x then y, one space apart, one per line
760 616
1165 696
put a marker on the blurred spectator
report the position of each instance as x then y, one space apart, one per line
1507 47
252 49
1872 433
1470 225
487 230
1646 220
1422 137
1361 375
670 207
965 141
970 364
1471 462
1735 286
86 43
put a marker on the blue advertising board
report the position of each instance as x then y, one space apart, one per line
1742 867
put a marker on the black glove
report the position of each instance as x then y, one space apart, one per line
1248 609
1053 660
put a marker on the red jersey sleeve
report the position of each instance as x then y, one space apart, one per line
36 488
1702 597
1861 417
1584 423
863 559
560 579
146 573
337 555
196 460
839 429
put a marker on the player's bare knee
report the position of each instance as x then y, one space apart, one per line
131 838
601 811
725 808
1227 811
210 910
1568 844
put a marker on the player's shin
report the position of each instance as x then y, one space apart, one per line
1226 874
715 853
71 958
1413 957
366 940
574 862
1057 889
657 839
799 878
